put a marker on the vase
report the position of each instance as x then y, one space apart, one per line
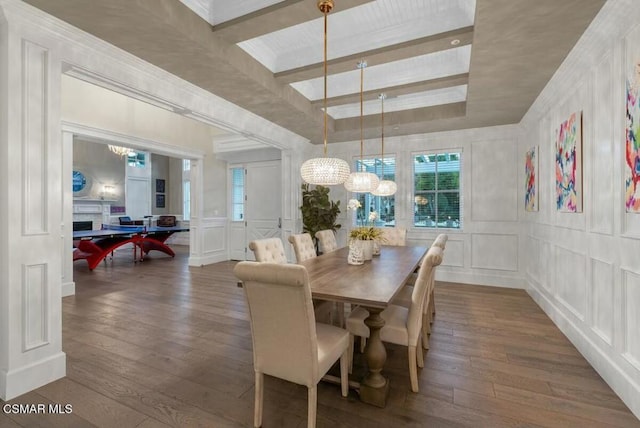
367 249
356 255
376 248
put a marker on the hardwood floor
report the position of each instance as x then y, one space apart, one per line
160 344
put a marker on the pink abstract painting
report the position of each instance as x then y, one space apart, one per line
531 180
569 165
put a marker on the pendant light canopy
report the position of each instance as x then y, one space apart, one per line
361 181
325 171
386 187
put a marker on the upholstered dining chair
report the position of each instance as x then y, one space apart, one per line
403 326
303 246
327 239
268 250
304 249
287 342
396 236
403 298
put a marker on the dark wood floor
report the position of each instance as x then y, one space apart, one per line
161 344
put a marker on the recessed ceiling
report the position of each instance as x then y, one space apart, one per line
445 64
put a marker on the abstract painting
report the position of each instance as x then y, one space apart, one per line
569 165
632 132
531 179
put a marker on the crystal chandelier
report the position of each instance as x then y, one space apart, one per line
386 187
325 171
120 151
361 181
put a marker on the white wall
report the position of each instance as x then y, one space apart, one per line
583 268
486 250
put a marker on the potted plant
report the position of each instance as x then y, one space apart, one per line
318 211
366 231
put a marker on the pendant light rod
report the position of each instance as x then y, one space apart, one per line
362 65
382 97
325 7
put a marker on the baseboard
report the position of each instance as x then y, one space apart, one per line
68 289
33 376
208 259
606 366
480 279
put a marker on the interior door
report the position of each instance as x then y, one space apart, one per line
138 197
262 208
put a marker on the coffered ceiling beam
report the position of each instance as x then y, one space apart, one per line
281 15
422 46
395 91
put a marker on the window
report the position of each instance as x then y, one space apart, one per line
436 201
136 159
237 194
186 164
383 205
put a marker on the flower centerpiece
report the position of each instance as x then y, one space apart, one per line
366 230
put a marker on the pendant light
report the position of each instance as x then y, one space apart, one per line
325 171
386 187
361 181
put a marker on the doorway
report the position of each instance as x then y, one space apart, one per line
256 193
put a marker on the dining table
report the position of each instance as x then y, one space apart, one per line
372 285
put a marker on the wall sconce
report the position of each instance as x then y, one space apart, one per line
108 191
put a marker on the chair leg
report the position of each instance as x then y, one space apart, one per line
433 305
419 354
257 414
350 351
363 344
312 405
413 369
344 372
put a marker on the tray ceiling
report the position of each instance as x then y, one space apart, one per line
444 64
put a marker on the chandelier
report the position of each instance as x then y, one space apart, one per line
325 171
361 181
386 187
120 151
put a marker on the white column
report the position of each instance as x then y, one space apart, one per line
30 213
196 232
68 285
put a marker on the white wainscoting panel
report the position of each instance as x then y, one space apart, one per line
34 135
547 265
602 153
494 251
494 170
35 304
631 317
214 242
602 298
533 264
454 253
570 281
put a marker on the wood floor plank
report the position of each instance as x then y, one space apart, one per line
159 343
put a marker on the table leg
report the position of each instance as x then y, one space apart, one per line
374 387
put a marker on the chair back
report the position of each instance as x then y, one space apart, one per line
396 236
303 246
327 239
426 275
166 221
441 241
269 250
282 320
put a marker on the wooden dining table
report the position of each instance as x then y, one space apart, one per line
373 285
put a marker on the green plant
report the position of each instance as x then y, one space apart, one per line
366 233
318 211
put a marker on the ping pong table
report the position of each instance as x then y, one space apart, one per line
95 245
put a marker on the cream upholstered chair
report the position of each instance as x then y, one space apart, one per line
403 326
396 236
327 239
403 298
287 342
303 246
440 241
305 249
269 250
